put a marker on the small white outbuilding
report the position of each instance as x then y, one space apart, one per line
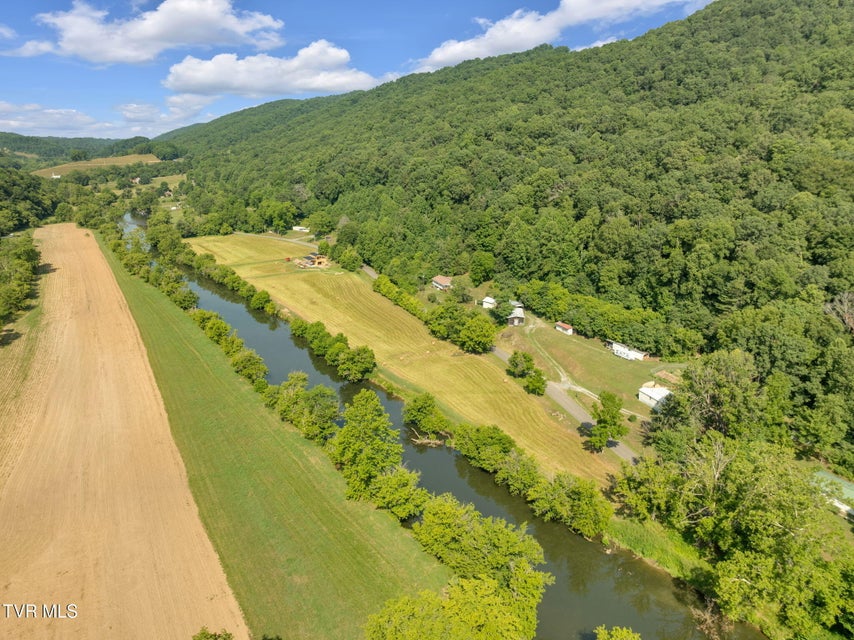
627 352
652 395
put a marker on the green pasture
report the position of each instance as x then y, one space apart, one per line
473 387
83 165
302 561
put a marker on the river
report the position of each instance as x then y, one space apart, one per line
592 585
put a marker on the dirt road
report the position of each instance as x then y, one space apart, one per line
558 392
97 522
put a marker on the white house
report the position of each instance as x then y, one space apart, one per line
488 302
652 395
627 352
303 229
564 328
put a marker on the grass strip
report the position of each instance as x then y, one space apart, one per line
302 560
476 388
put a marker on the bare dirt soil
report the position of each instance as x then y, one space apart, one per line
95 509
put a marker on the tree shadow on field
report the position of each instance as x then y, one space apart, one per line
46 267
8 336
266 637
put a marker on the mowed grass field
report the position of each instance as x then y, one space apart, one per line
18 343
120 161
589 364
302 561
474 388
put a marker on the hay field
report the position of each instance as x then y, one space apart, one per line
303 561
120 161
95 507
475 388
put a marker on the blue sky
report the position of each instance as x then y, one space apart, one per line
120 68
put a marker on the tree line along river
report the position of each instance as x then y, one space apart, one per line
592 586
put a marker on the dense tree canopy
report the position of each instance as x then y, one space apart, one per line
700 169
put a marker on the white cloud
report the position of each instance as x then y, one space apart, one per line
320 67
598 43
524 30
86 32
6 33
131 119
37 120
150 120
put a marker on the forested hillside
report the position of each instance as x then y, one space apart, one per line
703 168
24 200
690 192
687 191
33 152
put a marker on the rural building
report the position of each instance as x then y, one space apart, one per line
627 352
516 304
652 395
442 283
488 302
303 229
564 328
315 260
516 317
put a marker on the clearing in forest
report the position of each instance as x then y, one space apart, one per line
474 388
83 165
95 508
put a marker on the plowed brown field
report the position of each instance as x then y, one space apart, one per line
95 509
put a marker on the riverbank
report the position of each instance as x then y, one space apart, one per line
302 560
475 388
673 555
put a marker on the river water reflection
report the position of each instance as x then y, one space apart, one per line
592 586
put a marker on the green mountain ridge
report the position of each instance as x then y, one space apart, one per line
733 125
690 190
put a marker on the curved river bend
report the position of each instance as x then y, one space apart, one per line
592 586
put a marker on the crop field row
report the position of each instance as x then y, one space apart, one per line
474 387
19 342
95 504
83 165
302 561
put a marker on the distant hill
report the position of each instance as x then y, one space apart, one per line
690 190
46 151
677 172
53 148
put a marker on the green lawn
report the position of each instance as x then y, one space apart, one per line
302 561
588 363
474 388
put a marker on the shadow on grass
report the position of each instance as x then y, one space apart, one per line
8 336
